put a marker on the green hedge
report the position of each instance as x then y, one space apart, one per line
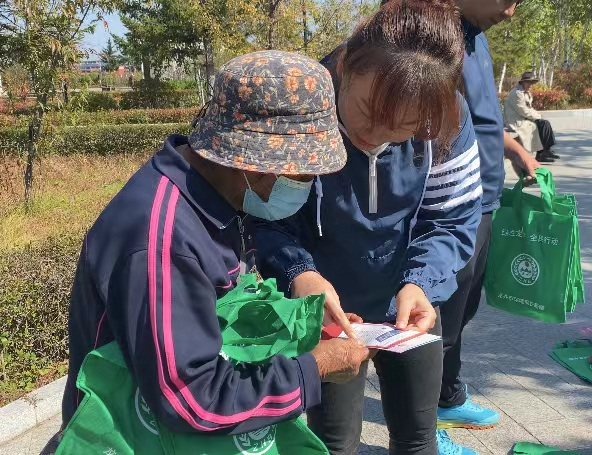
145 99
35 287
92 139
132 116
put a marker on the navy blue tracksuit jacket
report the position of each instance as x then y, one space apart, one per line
150 271
486 114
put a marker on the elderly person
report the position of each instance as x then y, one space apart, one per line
535 133
178 236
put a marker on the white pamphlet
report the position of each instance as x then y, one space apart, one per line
387 337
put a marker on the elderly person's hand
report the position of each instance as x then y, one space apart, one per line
339 359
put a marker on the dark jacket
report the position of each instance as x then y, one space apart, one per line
151 268
481 96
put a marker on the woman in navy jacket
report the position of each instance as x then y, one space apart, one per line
385 236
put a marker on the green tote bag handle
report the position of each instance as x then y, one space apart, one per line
547 185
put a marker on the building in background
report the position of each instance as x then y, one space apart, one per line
90 66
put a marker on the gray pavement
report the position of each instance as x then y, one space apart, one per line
505 358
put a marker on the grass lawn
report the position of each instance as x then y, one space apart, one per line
69 193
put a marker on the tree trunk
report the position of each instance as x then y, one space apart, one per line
147 68
35 131
273 6
66 95
305 34
581 45
502 77
566 40
199 81
556 49
210 67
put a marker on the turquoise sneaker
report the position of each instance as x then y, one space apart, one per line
469 415
447 446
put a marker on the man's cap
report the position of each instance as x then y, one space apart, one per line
529 76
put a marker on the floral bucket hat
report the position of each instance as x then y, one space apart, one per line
272 112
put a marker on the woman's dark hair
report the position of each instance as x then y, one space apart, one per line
416 49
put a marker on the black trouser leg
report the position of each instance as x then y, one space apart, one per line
409 387
456 314
337 421
546 134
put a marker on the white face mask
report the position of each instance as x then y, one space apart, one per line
286 198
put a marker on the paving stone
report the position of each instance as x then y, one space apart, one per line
572 433
32 442
471 440
16 415
47 399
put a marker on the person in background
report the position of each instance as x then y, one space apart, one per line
535 133
456 409
384 237
176 238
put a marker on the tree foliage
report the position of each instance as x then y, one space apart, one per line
544 35
110 57
43 37
213 31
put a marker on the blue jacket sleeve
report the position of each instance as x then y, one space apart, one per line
442 240
283 247
165 321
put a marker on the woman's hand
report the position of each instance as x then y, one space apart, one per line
312 283
414 310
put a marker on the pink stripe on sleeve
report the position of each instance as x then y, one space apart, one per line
152 287
258 411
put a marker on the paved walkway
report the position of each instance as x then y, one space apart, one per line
505 358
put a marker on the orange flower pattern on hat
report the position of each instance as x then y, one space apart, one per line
272 111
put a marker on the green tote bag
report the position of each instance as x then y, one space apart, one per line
533 262
257 322
576 288
576 356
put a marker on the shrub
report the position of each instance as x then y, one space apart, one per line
35 287
136 116
11 121
95 102
549 99
17 108
132 116
588 95
92 139
575 82
157 95
13 141
186 84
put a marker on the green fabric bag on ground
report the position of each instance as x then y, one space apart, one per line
257 322
575 355
533 267
529 448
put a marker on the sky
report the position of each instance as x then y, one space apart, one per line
98 40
